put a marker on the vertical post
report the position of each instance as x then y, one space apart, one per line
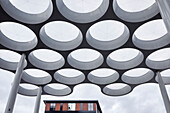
38 100
15 86
164 93
164 7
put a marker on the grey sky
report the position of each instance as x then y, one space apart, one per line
143 99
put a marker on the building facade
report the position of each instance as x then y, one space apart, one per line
72 107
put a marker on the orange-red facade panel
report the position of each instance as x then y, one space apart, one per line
85 106
78 106
47 107
57 107
65 106
94 106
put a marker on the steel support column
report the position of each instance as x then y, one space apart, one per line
15 86
164 93
164 7
38 100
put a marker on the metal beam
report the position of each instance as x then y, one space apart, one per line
38 100
164 7
15 86
164 93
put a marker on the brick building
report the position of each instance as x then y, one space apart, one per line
72 106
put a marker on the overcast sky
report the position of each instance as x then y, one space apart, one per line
143 99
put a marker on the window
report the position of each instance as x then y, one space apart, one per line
90 106
71 107
52 106
61 107
81 107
